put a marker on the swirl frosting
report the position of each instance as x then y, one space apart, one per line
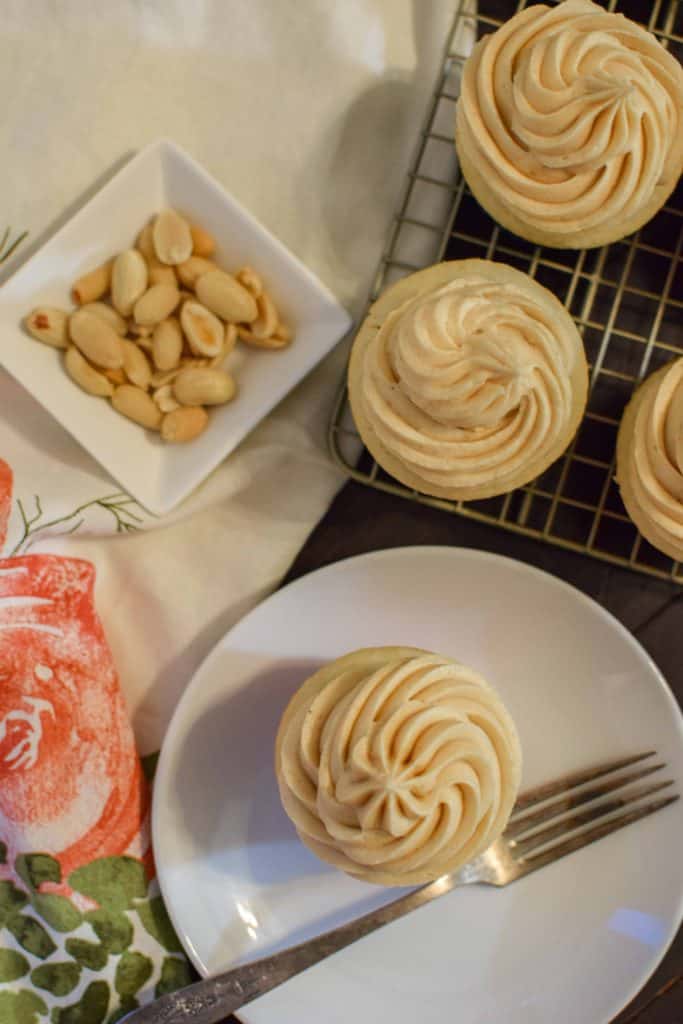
650 459
469 385
571 117
398 766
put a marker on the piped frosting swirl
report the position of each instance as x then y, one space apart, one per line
400 768
572 116
650 459
468 384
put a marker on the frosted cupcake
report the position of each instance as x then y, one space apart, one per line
650 459
569 125
467 379
397 765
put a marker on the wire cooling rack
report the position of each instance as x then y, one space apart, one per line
626 299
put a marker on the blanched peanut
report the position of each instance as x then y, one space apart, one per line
85 375
184 424
136 365
156 304
137 405
49 325
203 386
167 344
203 243
94 285
172 238
191 269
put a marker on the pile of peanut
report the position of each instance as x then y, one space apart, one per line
156 348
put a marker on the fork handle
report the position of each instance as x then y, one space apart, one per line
211 1000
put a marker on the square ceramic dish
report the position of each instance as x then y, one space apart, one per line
160 475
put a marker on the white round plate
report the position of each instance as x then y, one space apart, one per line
572 942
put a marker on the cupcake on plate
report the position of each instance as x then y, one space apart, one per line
569 126
397 765
467 379
650 459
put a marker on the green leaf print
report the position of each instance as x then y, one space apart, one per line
114 882
57 911
175 974
59 979
114 931
31 935
36 868
11 899
124 1007
156 921
12 965
88 954
132 971
3 853
90 1009
20 1007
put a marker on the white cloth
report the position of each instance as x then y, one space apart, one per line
308 113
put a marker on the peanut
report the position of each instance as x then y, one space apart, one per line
144 243
96 339
94 285
48 325
172 238
156 304
159 273
191 269
184 424
251 281
267 320
249 338
163 397
203 330
128 280
136 365
115 376
108 314
167 344
161 377
203 243
230 339
137 405
283 333
203 386
86 376
226 297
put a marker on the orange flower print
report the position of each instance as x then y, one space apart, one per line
5 500
70 779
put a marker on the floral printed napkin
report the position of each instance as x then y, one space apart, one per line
83 930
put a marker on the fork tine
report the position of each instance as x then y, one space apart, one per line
531 863
574 779
566 825
531 819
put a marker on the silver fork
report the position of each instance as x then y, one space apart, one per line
547 823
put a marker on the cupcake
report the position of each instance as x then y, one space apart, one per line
650 459
569 127
397 765
467 379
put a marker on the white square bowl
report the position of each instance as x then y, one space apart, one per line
160 475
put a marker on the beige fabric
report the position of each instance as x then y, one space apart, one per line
308 114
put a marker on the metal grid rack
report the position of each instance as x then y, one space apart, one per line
626 299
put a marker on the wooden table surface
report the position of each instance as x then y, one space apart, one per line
362 519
